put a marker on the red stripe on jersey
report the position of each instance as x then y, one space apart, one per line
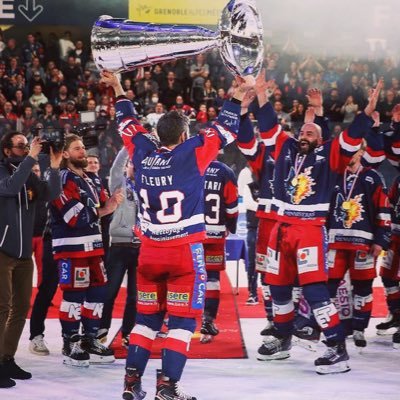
246 145
230 194
269 134
79 254
141 341
176 345
87 313
333 322
64 316
283 318
213 294
337 160
349 140
208 152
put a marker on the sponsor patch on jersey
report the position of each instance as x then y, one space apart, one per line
147 298
261 262
215 260
64 268
199 266
363 260
178 299
307 259
272 261
81 277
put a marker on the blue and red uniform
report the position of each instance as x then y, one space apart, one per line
171 271
359 218
302 188
221 213
78 248
390 263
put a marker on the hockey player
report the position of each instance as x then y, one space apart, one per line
305 173
171 270
77 248
258 154
221 213
262 166
358 230
390 263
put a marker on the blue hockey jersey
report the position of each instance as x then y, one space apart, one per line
170 183
221 202
261 163
304 197
360 212
75 221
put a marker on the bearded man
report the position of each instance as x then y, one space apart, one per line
78 250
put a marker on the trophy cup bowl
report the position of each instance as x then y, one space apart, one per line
121 45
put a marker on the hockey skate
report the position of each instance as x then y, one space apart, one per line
133 385
73 354
276 348
334 360
307 337
167 389
99 354
102 335
359 340
268 331
396 339
208 330
388 327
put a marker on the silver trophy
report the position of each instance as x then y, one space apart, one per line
122 45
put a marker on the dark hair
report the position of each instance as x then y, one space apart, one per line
171 126
6 142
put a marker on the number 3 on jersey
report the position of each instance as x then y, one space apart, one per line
213 217
170 208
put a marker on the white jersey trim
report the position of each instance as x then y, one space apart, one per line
193 220
272 140
349 232
346 146
82 240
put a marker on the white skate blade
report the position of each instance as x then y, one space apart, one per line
206 338
96 359
337 368
396 346
280 355
309 345
75 363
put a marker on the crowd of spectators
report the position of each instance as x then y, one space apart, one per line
45 83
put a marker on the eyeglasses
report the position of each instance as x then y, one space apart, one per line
22 146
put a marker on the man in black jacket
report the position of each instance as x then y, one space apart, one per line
20 190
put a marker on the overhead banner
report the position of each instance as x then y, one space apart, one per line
202 12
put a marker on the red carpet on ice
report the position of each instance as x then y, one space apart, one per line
228 344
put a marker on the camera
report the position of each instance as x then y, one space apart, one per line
51 137
88 127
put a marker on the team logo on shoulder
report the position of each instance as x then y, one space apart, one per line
299 187
349 211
